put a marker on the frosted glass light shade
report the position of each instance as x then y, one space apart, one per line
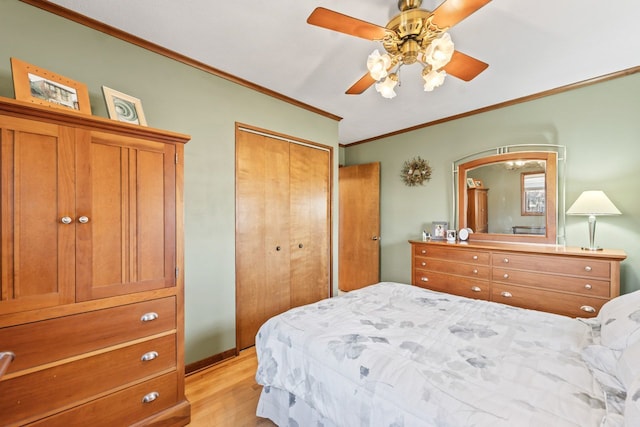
439 52
386 87
378 64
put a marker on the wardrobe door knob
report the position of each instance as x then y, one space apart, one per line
278 248
83 220
66 220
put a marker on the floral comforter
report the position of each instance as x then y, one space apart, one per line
397 355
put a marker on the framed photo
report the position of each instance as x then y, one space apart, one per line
478 183
439 230
123 107
471 183
39 86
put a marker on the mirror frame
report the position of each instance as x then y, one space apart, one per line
554 155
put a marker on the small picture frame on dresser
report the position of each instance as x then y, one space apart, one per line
439 230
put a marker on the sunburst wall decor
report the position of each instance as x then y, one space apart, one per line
415 171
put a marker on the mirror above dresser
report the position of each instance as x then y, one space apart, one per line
511 194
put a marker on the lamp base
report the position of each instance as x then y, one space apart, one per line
590 249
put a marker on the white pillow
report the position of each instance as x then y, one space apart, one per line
629 366
620 321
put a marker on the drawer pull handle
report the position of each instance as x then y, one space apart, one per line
506 260
148 317
506 276
587 268
475 271
149 356
6 357
475 257
506 294
476 289
148 398
588 286
424 263
424 251
424 279
588 309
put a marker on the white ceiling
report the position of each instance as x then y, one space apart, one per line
530 46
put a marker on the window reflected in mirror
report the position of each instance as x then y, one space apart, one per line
532 190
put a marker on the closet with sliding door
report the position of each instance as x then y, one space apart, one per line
283 226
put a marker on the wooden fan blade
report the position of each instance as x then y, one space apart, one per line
450 12
361 85
464 67
335 21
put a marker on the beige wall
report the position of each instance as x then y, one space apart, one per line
599 125
182 99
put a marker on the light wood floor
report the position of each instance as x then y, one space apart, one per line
226 394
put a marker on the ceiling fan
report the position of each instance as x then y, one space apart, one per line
415 35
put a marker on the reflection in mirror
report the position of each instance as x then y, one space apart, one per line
512 195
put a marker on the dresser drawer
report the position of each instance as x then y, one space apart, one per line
458 285
122 408
62 385
578 285
68 336
462 269
452 254
583 267
544 300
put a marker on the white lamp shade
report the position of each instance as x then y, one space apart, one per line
439 52
593 202
378 65
386 87
433 79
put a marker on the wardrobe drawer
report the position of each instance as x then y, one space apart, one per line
462 269
544 300
55 339
62 385
458 285
578 285
583 267
451 254
121 408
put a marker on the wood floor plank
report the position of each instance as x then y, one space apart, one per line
226 394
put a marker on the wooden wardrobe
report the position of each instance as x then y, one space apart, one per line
478 210
283 227
91 276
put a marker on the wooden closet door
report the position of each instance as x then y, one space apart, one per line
126 191
309 223
38 250
262 232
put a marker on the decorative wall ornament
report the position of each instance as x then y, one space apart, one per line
415 171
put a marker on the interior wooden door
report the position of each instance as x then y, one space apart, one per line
310 215
38 248
359 229
262 232
126 225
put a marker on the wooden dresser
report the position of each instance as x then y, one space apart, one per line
91 224
562 280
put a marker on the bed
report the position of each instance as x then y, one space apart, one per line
397 355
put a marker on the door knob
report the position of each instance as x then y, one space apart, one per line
83 220
375 238
66 220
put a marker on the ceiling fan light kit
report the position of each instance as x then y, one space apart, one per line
413 36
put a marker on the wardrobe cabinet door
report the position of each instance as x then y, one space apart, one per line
37 215
309 224
126 215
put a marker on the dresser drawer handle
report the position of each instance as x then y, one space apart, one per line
423 263
475 271
588 286
476 289
148 398
588 309
506 276
149 356
475 257
587 268
506 294
506 260
424 279
148 317
424 251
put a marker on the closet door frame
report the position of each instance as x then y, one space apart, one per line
251 260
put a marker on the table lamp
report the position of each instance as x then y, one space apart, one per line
593 203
